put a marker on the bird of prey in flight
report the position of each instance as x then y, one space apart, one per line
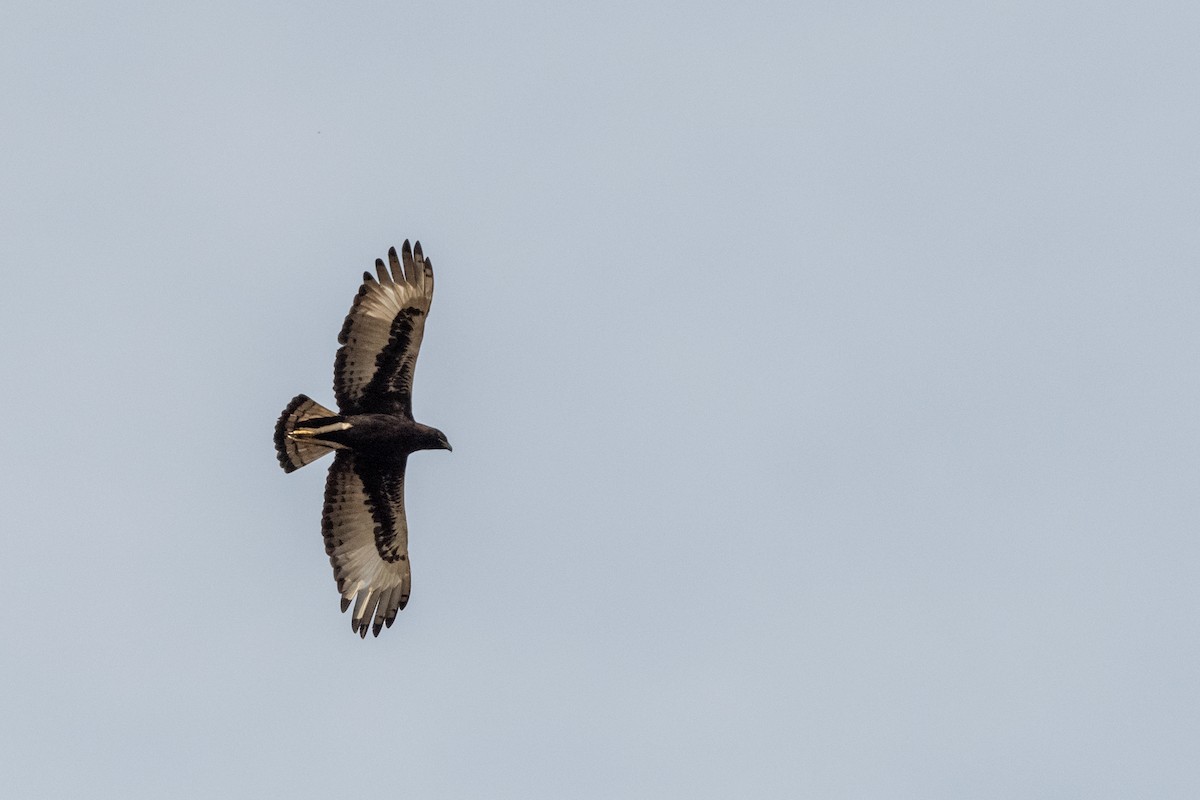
371 435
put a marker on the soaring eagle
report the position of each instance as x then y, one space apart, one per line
366 534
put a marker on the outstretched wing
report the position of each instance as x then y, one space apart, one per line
366 537
373 371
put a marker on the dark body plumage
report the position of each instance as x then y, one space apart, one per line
363 523
385 436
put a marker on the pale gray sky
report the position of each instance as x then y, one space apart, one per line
821 377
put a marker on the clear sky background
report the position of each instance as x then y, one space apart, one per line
822 380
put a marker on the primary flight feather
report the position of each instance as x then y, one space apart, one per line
372 434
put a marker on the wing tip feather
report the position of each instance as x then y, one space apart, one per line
384 277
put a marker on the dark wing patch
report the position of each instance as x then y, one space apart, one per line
373 370
366 537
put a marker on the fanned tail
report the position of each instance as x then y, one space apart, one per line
300 421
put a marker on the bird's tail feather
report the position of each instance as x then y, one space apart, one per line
300 421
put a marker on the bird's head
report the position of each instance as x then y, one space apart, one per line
438 441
